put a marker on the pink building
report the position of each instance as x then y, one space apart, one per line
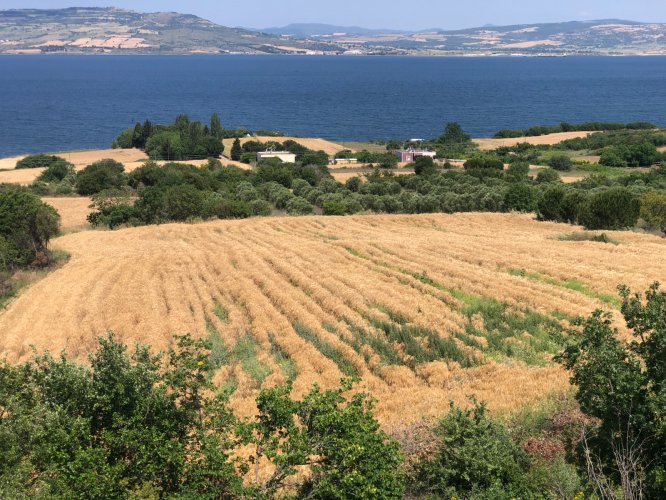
409 155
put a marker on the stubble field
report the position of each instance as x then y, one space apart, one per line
424 309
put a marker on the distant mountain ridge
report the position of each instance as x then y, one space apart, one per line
306 30
597 37
113 30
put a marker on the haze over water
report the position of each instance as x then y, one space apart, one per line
55 103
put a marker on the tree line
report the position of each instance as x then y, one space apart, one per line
183 140
538 130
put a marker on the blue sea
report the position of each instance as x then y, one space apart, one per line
55 103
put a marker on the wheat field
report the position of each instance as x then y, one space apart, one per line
407 303
550 139
73 211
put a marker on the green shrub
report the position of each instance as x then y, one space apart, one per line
653 210
260 208
26 226
550 204
334 207
610 158
620 384
57 171
547 175
573 204
520 197
113 209
182 202
299 206
351 456
518 171
612 208
476 458
424 165
560 162
39 161
101 175
484 163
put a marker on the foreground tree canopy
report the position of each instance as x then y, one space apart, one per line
26 226
623 386
148 425
144 425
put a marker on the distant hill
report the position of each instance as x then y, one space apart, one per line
307 30
603 37
112 30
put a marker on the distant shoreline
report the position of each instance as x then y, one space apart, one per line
406 56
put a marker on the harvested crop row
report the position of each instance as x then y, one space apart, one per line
426 309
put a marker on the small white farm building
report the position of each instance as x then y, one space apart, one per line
285 156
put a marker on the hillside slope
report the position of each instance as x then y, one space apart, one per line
603 37
423 308
112 30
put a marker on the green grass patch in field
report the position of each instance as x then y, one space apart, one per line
394 316
595 168
361 337
221 312
523 335
586 236
229 386
422 344
356 253
245 352
283 360
562 316
219 354
573 284
329 328
327 350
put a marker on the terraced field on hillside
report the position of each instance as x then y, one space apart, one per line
424 309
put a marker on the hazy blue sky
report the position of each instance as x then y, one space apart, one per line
414 14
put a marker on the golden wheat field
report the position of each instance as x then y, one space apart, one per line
329 147
130 158
423 308
73 211
490 144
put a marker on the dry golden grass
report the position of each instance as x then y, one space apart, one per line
82 158
23 176
343 176
262 281
130 158
73 211
329 147
490 144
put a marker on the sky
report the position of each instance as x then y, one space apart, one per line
412 15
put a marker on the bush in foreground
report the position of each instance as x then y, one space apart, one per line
476 457
144 425
623 386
